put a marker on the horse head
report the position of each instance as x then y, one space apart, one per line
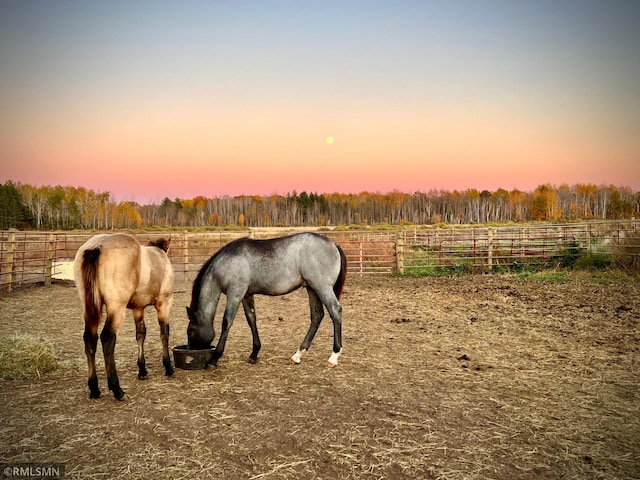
200 334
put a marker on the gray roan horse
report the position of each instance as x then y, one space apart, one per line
116 272
275 266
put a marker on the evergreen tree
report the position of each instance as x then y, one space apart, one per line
13 213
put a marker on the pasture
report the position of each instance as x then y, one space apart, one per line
447 378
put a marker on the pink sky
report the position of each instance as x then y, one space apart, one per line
171 107
180 155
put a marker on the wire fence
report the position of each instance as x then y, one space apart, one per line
498 248
40 257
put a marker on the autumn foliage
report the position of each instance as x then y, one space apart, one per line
26 206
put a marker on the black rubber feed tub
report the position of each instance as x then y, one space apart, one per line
188 359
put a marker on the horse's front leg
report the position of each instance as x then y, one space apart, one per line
141 333
108 338
163 308
233 302
250 312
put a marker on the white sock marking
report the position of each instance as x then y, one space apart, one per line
298 356
333 359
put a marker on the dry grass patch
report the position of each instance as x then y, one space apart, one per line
26 356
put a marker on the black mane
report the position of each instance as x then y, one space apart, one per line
197 283
161 243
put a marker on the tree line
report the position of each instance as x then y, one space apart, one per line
26 206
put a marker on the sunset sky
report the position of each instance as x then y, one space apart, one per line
147 99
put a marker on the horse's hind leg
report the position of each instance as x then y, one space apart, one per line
317 314
108 339
90 346
250 312
141 333
335 311
163 308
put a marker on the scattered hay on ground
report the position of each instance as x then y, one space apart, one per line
25 356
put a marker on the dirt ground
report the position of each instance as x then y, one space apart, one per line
459 377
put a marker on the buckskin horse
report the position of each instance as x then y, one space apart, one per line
116 272
276 266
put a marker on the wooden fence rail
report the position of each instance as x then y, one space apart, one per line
39 257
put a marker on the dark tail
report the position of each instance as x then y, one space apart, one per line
92 301
337 287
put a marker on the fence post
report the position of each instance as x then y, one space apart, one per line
9 275
185 261
490 248
48 269
474 248
561 243
399 253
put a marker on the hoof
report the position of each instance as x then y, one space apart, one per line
293 362
252 361
333 359
297 357
168 368
118 393
94 389
143 376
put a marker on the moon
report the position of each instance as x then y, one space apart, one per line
329 140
